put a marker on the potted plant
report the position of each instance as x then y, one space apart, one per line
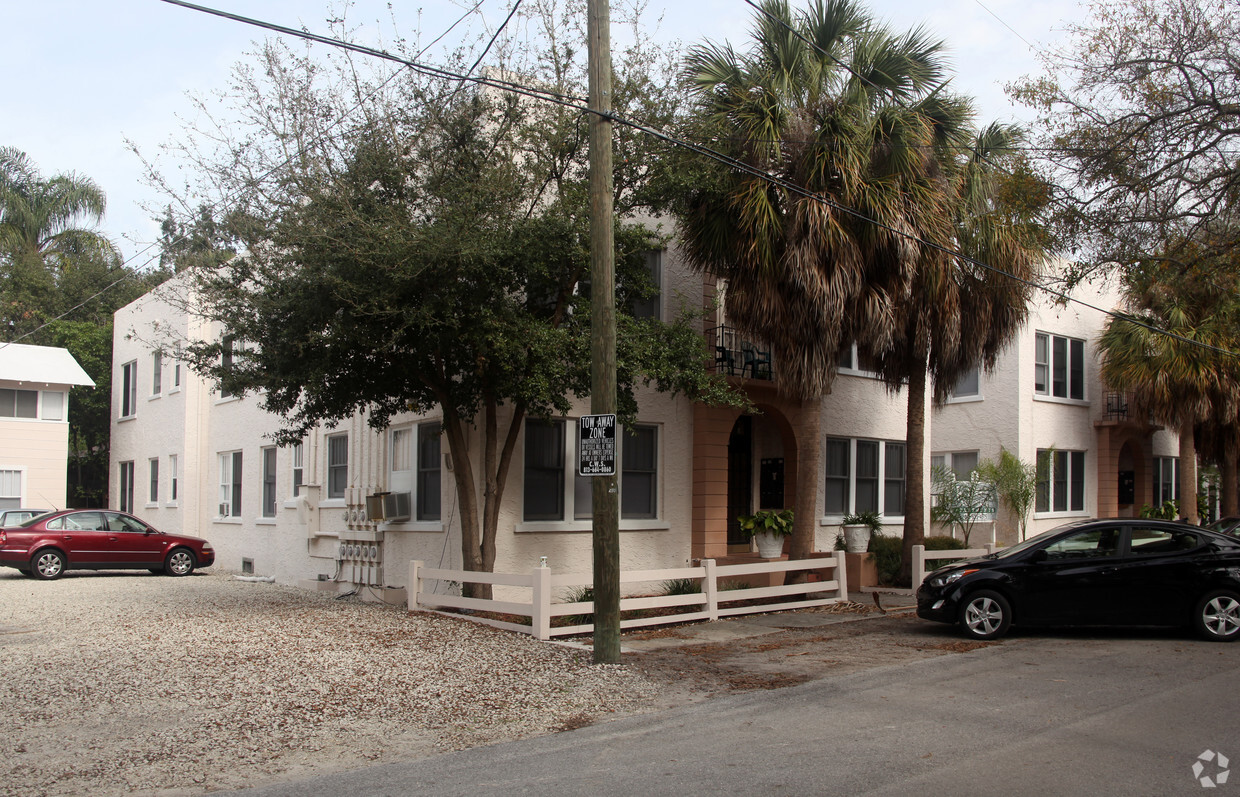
768 527
857 530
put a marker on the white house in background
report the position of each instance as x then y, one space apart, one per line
1045 399
34 424
191 460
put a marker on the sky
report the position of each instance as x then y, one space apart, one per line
87 76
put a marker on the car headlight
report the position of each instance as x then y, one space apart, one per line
950 578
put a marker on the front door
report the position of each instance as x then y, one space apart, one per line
740 481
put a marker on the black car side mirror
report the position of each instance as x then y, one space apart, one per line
1039 555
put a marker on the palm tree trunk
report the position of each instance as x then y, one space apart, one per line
914 474
809 452
1188 473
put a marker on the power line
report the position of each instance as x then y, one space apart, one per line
581 105
578 104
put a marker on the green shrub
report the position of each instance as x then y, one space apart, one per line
886 551
583 594
944 543
681 586
730 584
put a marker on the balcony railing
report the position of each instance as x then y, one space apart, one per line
736 356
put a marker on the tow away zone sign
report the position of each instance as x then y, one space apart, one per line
597 454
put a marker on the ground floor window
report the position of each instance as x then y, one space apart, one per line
1060 481
230 484
10 489
865 476
269 481
1166 480
550 464
126 487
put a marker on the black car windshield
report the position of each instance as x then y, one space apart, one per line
1034 541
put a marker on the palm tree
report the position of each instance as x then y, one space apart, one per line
42 237
1167 353
831 102
963 308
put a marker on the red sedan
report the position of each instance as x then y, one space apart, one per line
98 539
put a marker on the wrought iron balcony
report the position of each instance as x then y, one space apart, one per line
736 356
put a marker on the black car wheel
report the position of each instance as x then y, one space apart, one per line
1217 617
179 563
985 614
47 564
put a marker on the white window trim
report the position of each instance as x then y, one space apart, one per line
330 500
1048 394
969 399
220 459
1065 513
657 523
174 477
415 440
132 367
855 370
885 519
291 501
21 471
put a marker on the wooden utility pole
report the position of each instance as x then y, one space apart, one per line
603 332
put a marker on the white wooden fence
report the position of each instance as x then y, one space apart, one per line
921 556
711 603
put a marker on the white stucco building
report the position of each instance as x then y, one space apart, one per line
1045 399
34 424
191 460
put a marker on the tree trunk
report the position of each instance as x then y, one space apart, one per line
467 495
1188 474
914 472
809 452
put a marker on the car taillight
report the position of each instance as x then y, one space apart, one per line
4 537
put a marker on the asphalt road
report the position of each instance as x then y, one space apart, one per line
1048 714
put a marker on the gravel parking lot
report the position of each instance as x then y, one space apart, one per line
117 683
120 683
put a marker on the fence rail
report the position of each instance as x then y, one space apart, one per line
711 602
921 556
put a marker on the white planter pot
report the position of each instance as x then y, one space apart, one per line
856 538
770 545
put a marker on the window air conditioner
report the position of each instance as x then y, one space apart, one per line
396 506
223 510
374 507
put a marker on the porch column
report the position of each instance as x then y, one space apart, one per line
712 427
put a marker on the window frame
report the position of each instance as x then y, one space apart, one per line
18 476
125 486
153 485
848 480
337 471
1056 359
955 397
1067 473
157 373
129 390
231 471
428 468
172 479
267 470
1160 465
576 490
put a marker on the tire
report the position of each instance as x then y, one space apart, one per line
25 571
1217 616
985 614
159 571
47 564
180 562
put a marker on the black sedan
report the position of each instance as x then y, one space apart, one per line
1092 573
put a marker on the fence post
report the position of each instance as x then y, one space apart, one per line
919 565
841 574
540 604
990 547
710 586
415 585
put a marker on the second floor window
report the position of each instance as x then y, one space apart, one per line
157 373
1059 366
129 389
